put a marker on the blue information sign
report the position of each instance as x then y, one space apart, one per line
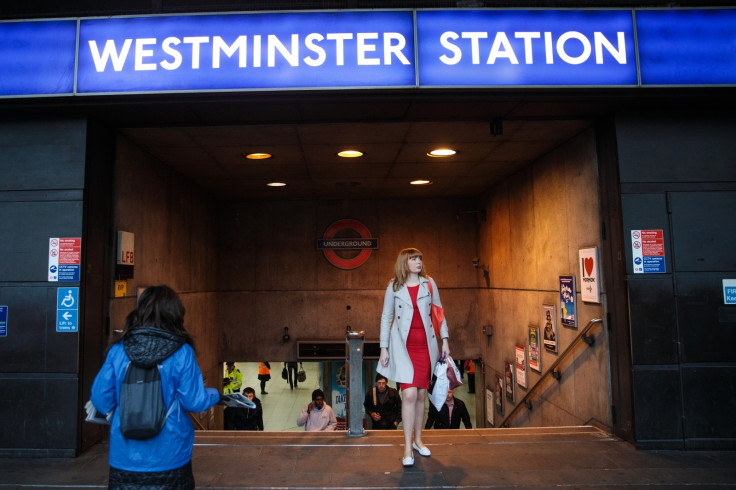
729 291
729 295
653 265
3 321
69 273
67 309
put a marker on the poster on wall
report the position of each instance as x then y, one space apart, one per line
339 386
535 352
490 404
499 394
65 257
521 366
567 301
549 328
647 251
508 374
590 286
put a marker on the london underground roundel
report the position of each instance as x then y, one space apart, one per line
347 237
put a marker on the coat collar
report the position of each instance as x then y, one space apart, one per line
403 293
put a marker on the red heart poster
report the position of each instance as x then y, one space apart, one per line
589 282
588 266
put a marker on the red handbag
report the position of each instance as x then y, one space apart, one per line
438 313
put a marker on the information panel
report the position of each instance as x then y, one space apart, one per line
67 309
729 292
4 321
65 258
647 251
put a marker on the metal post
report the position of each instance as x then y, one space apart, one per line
355 383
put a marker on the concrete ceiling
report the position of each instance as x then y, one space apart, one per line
305 156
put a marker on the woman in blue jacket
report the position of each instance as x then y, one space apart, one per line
154 335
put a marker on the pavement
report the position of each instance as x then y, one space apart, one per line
536 458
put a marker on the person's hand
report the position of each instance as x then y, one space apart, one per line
384 357
376 416
310 407
445 348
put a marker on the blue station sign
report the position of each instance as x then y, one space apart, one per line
247 51
526 48
368 49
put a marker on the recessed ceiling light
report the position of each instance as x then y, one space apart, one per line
350 154
276 184
441 152
421 182
258 156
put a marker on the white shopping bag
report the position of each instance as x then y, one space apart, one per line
439 385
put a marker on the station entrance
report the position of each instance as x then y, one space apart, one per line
566 136
499 221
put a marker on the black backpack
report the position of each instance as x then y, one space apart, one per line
142 410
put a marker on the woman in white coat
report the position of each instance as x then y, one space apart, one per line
408 343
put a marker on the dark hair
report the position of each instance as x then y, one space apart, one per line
248 389
317 393
160 307
380 376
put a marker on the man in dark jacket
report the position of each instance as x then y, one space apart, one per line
383 405
251 418
453 411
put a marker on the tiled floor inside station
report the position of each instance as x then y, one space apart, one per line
282 405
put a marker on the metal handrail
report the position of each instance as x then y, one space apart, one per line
552 370
196 421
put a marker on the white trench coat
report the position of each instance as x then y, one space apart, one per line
398 311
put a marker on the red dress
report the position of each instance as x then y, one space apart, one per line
416 345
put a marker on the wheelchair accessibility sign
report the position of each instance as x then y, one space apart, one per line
67 309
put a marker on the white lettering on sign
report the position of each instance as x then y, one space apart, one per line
343 243
370 48
501 48
729 291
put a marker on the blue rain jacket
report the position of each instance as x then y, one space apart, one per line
182 384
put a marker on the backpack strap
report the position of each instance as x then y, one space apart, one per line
176 395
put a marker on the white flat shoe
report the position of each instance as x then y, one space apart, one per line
408 461
424 451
